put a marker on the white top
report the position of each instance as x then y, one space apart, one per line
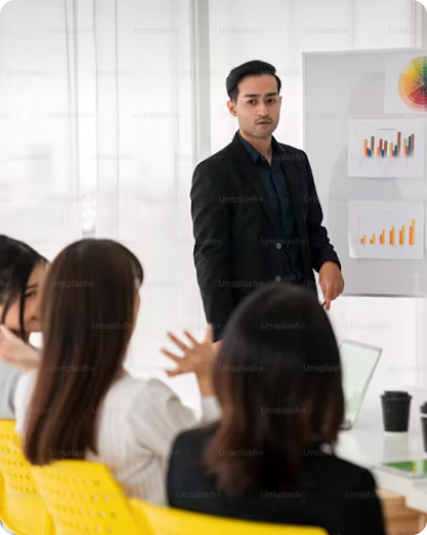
9 377
138 422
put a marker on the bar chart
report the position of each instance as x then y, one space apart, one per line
389 237
386 230
387 148
401 148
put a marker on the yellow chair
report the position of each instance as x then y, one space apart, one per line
170 521
84 498
22 509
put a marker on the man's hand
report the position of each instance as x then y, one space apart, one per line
14 351
331 281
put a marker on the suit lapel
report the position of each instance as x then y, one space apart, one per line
251 176
293 175
293 178
248 171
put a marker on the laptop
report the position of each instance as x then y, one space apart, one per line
358 363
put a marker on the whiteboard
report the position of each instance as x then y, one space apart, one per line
338 88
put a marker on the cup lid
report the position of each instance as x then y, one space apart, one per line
396 394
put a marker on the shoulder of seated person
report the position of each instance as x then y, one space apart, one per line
125 378
195 438
145 388
348 471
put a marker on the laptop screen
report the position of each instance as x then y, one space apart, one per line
358 363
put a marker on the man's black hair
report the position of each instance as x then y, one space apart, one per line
251 68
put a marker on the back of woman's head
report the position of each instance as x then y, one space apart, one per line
88 313
278 380
17 262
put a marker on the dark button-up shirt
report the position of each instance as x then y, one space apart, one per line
274 180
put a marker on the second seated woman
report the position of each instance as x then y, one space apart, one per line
81 403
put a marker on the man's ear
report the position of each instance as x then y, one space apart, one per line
232 108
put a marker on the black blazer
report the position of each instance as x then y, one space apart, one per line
341 497
237 242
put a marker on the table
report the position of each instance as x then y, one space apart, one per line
367 445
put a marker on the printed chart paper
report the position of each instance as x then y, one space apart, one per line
389 148
406 85
388 230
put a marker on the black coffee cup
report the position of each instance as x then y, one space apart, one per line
423 409
396 408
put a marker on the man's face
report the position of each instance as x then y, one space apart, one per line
258 106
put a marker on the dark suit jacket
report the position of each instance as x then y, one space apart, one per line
237 242
341 497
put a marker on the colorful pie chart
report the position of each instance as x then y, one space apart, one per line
413 84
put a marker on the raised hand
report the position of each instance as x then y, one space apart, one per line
197 357
14 351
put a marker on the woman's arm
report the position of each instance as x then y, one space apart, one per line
159 416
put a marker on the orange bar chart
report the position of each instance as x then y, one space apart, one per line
402 235
412 233
392 236
386 230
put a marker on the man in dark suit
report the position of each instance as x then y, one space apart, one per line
256 214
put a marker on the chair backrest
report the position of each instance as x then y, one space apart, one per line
84 498
170 521
22 508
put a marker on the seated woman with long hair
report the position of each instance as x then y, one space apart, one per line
81 403
270 457
22 272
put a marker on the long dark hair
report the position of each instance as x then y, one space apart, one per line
278 381
88 312
17 261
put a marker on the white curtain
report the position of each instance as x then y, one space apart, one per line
39 185
145 149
